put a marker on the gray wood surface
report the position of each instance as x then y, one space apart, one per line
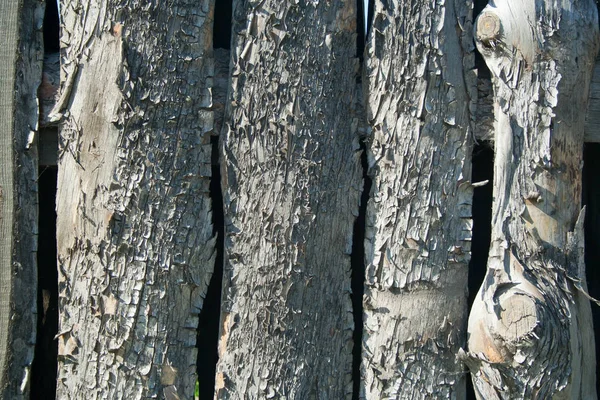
291 187
135 240
592 122
20 75
530 329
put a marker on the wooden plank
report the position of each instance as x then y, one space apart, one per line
418 87
20 75
135 240
592 121
530 327
291 188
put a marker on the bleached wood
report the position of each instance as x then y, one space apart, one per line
530 331
134 234
291 188
420 88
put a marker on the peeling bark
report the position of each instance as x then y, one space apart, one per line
530 330
291 187
20 75
135 242
420 93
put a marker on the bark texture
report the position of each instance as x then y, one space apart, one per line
420 93
135 242
21 57
291 188
530 330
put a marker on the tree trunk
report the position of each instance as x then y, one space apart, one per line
530 328
20 75
419 90
291 186
135 242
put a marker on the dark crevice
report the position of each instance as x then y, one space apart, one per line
208 324
51 27
361 32
209 318
591 199
45 359
358 235
482 170
43 375
222 24
358 274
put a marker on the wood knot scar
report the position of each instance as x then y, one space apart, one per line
488 29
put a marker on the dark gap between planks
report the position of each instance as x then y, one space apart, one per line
44 368
208 323
43 374
591 199
358 275
209 319
482 169
357 261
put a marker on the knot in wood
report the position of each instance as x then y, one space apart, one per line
488 28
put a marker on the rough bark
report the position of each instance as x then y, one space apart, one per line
420 90
291 188
20 75
530 330
134 233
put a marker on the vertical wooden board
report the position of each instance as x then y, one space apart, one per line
20 76
291 186
530 329
420 92
135 239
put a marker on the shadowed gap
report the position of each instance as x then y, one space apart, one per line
208 321
482 169
43 375
44 367
358 275
51 27
222 24
357 260
208 324
361 31
591 199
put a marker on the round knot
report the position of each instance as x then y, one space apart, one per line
488 27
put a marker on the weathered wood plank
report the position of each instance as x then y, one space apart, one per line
592 120
135 239
420 80
291 188
530 329
20 75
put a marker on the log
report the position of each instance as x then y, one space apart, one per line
135 240
419 82
530 329
20 76
291 188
